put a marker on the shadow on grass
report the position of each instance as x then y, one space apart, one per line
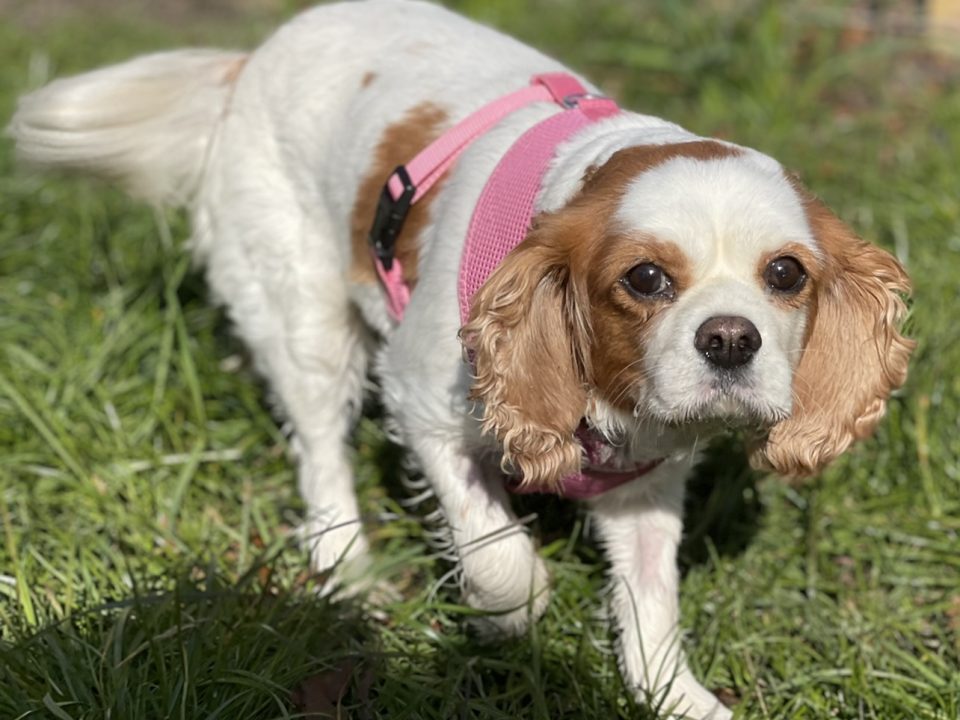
723 509
207 650
213 650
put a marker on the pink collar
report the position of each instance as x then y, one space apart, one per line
597 476
500 220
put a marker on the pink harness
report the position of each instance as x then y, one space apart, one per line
500 221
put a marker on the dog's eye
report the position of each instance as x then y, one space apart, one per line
785 274
648 279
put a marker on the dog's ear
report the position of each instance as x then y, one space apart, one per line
527 334
854 354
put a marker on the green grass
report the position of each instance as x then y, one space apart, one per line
147 564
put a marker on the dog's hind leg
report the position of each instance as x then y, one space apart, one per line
278 269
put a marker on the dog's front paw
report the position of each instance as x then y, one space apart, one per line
718 711
341 554
356 578
500 622
686 699
513 603
334 546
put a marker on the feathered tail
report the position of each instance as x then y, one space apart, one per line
146 123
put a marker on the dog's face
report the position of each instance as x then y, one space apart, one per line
711 264
689 285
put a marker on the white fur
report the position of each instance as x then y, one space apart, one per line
269 156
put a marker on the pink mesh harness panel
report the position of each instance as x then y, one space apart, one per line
502 217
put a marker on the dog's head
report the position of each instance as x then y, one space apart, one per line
689 285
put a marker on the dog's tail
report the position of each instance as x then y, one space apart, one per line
147 123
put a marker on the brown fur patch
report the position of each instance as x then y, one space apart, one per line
625 165
854 354
553 322
399 144
368 77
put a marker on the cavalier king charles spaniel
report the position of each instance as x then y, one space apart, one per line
669 287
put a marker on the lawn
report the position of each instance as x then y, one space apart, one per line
148 567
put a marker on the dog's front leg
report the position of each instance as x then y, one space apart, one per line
640 525
501 571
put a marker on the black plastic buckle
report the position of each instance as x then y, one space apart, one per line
389 218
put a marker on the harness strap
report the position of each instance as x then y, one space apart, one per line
408 183
431 162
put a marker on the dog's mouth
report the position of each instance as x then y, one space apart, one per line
725 405
603 456
606 465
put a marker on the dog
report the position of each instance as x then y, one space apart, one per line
664 288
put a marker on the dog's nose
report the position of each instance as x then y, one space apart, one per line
728 341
